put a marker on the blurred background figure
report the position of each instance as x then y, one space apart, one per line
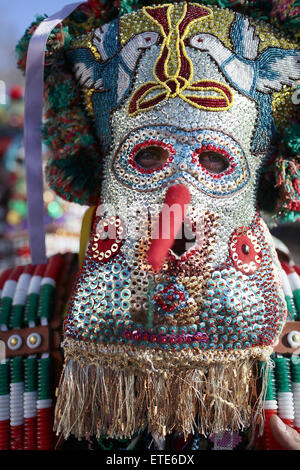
62 219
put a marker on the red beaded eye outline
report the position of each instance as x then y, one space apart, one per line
151 143
213 148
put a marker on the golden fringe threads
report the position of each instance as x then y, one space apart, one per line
116 392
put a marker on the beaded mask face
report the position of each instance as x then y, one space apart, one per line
183 99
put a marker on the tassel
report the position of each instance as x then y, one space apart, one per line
116 393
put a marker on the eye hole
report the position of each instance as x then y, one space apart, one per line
213 162
151 158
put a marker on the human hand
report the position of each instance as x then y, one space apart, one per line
286 436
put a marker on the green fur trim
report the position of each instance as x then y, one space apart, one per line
291 138
61 95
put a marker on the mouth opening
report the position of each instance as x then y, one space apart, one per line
185 240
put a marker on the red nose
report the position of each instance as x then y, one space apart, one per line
169 223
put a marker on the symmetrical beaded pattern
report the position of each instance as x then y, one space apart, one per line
210 308
184 150
167 73
253 59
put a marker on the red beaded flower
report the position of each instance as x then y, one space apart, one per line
108 238
245 250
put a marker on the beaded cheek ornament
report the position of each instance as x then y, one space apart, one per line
179 295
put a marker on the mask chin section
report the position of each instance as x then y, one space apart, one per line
184 241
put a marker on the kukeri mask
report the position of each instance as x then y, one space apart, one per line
161 333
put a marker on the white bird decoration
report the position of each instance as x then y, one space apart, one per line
255 75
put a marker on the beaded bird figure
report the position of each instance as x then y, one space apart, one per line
256 74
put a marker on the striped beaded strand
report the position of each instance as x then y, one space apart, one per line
48 285
4 405
3 278
7 296
19 298
17 322
295 373
284 390
30 403
270 408
16 404
33 296
45 408
31 363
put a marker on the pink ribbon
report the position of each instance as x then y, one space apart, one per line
34 88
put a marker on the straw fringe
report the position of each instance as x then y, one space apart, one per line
110 396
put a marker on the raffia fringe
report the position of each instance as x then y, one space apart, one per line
115 392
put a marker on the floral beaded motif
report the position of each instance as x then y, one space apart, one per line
170 85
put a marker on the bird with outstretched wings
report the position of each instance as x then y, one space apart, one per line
255 74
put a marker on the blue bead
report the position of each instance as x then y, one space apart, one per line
172 330
193 329
161 330
216 304
216 275
218 292
214 338
211 284
212 330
